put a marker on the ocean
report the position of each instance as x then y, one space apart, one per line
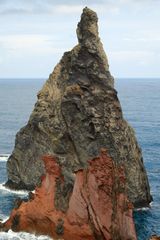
140 103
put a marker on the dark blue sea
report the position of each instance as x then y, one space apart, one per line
140 100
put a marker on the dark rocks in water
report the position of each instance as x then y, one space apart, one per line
21 185
98 207
78 113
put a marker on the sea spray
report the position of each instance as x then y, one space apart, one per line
4 157
10 235
18 192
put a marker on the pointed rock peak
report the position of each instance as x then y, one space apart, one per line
87 28
88 36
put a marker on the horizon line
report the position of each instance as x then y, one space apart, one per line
25 78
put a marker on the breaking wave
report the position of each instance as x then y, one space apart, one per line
18 192
10 235
4 157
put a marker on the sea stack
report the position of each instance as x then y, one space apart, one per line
76 115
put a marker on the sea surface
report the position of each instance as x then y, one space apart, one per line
140 100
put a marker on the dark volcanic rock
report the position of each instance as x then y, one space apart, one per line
76 114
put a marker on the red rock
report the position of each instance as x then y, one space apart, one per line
98 207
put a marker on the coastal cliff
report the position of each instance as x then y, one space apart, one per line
78 113
97 206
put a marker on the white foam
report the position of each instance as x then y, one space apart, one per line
143 209
18 192
4 217
10 235
4 157
151 204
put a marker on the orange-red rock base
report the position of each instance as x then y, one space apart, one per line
98 207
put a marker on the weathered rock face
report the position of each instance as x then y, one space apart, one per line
76 114
154 237
97 206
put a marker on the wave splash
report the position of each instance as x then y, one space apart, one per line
18 192
4 157
10 235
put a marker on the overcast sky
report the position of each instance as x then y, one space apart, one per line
35 33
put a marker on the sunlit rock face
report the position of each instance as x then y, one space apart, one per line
78 113
96 208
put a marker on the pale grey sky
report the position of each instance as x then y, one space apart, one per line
35 33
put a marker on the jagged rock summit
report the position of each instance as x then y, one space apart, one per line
78 113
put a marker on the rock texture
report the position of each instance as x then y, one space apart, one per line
76 114
97 206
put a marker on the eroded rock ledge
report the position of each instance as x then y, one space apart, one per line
154 237
76 114
98 207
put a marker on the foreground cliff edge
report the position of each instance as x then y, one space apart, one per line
97 208
76 116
